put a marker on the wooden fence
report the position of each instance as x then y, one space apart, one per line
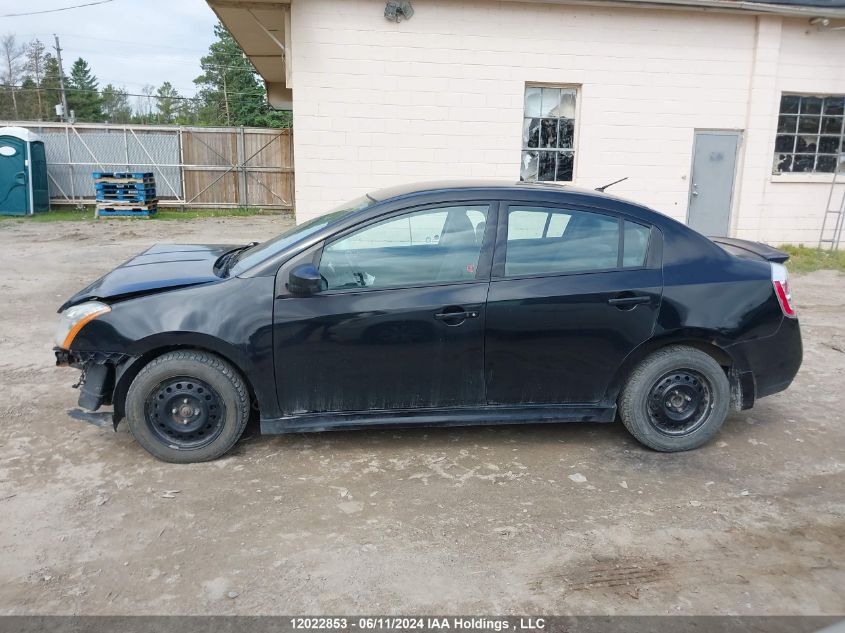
194 166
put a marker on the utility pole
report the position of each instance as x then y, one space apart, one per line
226 99
65 112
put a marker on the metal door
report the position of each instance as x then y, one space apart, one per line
14 193
40 195
712 181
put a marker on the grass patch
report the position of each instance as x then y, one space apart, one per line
87 214
804 259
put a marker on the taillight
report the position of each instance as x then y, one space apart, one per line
780 281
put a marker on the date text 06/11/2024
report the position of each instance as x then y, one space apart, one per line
399 623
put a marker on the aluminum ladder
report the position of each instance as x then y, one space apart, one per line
834 214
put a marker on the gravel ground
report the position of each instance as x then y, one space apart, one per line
573 518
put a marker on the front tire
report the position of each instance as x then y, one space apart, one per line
676 399
187 406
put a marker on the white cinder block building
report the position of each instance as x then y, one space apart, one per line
726 114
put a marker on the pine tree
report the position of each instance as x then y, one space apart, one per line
229 88
27 97
50 86
35 58
83 93
115 105
167 102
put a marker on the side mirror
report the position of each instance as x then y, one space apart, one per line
305 280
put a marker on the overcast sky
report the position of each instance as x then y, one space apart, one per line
128 43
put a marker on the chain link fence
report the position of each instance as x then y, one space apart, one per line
193 166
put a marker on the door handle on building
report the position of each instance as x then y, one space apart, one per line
694 189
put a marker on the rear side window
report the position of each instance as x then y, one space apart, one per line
550 240
636 245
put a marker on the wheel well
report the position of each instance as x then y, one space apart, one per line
717 353
124 378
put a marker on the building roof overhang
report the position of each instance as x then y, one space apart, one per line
262 27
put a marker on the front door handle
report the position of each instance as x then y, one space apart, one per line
629 300
456 316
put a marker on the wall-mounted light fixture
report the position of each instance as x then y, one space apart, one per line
398 10
827 24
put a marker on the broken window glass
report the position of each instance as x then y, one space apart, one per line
551 101
809 124
548 162
787 124
566 136
807 144
565 164
785 143
528 168
532 102
832 125
549 126
826 164
548 133
531 133
789 103
811 105
803 162
783 163
834 105
829 144
567 103
810 133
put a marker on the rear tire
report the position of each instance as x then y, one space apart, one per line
676 399
187 406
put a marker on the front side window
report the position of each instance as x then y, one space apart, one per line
810 134
553 240
423 247
548 134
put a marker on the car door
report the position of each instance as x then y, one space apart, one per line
573 292
399 324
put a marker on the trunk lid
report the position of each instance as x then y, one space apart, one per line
747 249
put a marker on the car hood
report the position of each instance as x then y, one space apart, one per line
160 267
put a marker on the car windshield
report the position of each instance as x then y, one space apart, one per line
249 257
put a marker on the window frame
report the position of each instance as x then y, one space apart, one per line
485 257
650 261
818 134
575 127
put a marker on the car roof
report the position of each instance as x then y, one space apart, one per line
487 185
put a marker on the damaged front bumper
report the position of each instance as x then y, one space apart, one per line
96 384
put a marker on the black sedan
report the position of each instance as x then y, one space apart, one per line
438 304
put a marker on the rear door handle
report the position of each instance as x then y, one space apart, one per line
629 301
455 316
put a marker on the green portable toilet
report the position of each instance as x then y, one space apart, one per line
23 173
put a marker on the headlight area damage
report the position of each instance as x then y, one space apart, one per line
99 369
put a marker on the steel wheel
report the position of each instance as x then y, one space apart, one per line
185 412
679 402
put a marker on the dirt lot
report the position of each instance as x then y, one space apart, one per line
457 521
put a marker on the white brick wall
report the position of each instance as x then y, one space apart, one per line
441 96
814 62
